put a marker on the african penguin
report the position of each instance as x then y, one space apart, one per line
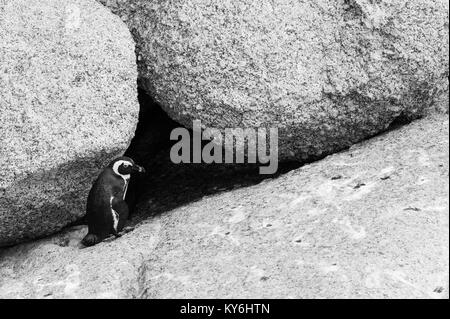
106 209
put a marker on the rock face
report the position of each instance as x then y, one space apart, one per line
68 104
371 222
326 73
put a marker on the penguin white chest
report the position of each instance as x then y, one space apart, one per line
115 215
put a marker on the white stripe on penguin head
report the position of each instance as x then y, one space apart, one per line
117 165
126 178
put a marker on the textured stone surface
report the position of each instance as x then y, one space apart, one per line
58 268
68 103
371 222
327 73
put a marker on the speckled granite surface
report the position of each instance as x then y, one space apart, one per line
327 73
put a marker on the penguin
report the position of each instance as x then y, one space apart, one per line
106 209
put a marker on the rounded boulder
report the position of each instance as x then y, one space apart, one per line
68 105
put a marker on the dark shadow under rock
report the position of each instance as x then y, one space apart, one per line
167 185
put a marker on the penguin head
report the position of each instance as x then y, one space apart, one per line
125 166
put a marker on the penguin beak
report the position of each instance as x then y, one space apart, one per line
138 169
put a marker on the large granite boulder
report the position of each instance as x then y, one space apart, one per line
68 104
371 222
326 73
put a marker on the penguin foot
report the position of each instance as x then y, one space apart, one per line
127 230
90 240
117 235
111 238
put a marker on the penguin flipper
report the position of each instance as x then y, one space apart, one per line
130 197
